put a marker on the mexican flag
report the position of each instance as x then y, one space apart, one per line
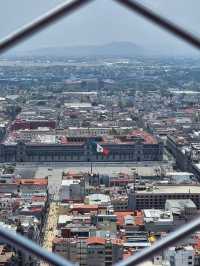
99 149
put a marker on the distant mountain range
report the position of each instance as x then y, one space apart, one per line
111 49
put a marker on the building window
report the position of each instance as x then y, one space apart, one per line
100 252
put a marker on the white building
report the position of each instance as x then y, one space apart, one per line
180 256
180 177
77 105
72 190
156 261
158 220
99 199
158 216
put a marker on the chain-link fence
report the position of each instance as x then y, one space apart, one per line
46 20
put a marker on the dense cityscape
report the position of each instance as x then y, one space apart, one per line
99 157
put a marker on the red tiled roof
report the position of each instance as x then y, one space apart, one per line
33 181
39 198
138 217
36 209
95 240
59 240
117 241
148 138
126 255
121 216
84 207
32 210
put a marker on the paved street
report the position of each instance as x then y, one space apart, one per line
69 164
54 170
50 230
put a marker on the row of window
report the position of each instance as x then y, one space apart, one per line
167 196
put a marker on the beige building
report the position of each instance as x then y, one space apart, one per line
154 197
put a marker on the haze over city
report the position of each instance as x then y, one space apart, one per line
103 22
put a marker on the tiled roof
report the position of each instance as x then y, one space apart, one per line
95 240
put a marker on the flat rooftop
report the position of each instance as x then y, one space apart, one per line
78 105
80 93
171 189
48 137
35 138
184 92
69 182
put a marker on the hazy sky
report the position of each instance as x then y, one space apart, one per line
100 22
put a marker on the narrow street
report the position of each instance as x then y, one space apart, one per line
50 230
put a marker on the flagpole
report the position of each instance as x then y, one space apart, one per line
91 167
91 170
